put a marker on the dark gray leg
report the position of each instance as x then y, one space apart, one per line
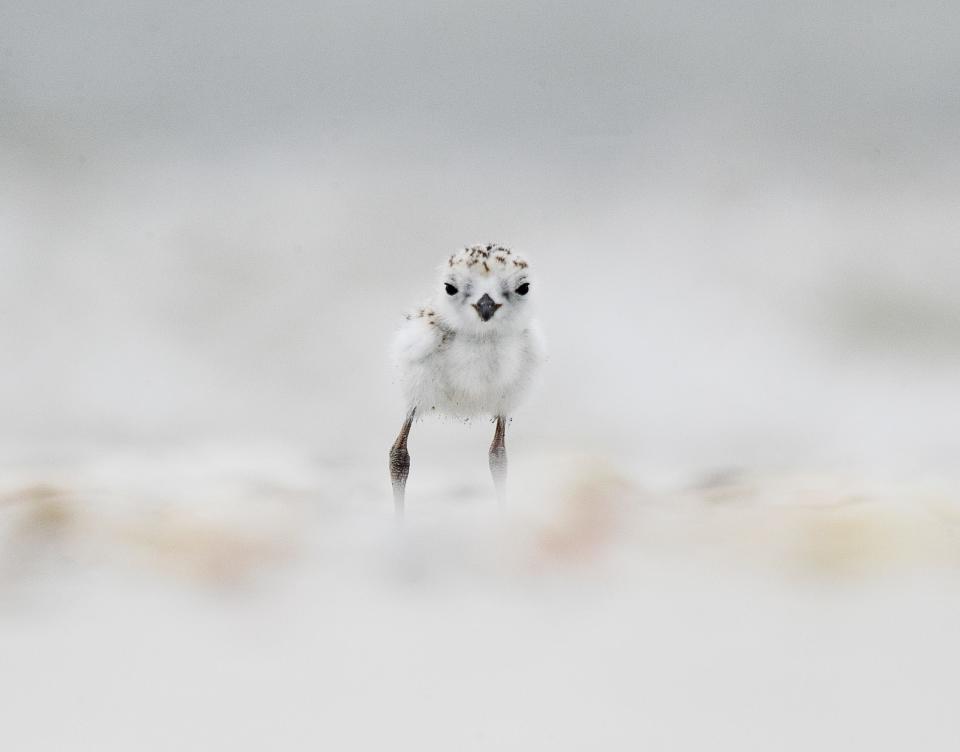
400 463
498 459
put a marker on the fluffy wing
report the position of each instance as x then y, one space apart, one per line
413 345
418 338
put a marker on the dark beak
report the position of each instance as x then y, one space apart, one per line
486 307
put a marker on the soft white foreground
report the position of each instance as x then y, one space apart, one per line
250 598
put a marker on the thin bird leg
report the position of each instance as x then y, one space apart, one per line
400 463
498 459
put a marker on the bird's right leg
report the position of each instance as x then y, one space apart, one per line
400 463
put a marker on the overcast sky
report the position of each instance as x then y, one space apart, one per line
793 81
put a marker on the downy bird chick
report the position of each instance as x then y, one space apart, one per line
472 350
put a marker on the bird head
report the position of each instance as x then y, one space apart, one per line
485 290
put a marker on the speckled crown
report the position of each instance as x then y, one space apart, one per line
487 258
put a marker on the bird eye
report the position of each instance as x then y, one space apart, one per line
451 290
523 289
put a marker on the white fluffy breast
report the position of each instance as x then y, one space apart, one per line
464 376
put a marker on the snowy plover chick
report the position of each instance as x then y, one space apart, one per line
472 350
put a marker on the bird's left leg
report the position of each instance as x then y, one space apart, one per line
498 459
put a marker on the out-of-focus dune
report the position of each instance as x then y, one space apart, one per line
241 596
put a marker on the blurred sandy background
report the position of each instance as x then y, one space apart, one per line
734 519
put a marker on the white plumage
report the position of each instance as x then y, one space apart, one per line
473 349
